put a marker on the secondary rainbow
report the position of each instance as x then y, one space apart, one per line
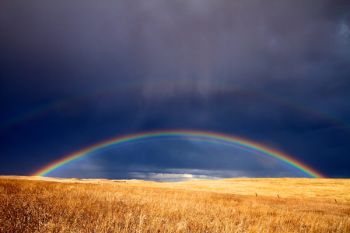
202 135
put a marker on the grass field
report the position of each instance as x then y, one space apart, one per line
29 204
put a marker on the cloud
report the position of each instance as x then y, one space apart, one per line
198 43
259 69
170 177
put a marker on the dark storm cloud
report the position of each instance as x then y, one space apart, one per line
126 66
204 41
298 49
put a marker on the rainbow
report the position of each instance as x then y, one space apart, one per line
67 102
202 135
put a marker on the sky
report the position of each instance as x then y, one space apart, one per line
74 73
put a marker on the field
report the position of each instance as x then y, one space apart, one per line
31 204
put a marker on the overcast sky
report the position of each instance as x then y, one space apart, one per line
73 73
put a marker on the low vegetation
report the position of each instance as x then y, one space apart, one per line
234 205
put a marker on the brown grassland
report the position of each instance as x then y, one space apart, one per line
30 204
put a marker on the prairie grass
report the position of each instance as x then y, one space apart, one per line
232 205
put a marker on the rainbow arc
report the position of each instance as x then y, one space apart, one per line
256 148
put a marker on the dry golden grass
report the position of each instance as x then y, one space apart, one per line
281 205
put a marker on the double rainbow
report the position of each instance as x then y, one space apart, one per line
259 149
